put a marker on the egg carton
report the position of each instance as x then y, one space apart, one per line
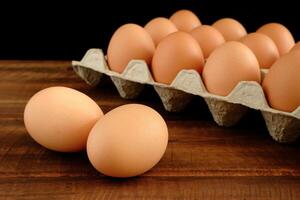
284 127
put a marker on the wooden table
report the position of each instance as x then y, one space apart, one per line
202 161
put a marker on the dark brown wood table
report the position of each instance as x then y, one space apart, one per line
202 161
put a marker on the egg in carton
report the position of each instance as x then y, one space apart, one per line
284 127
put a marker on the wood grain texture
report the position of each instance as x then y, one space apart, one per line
202 161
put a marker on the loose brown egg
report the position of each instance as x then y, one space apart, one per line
296 46
159 28
174 53
129 42
282 37
230 28
127 141
227 65
208 38
185 20
263 47
61 118
282 83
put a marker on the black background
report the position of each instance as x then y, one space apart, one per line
55 30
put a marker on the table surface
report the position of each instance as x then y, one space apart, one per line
202 161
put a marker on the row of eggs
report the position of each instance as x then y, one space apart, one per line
223 53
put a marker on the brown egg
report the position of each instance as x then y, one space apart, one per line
230 28
174 53
282 37
227 65
61 118
127 141
129 42
208 38
282 83
159 28
263 47
185 20
296 47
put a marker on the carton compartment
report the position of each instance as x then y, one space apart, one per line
283 127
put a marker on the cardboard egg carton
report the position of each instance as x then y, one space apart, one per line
284 127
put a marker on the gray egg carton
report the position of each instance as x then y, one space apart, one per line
284 127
